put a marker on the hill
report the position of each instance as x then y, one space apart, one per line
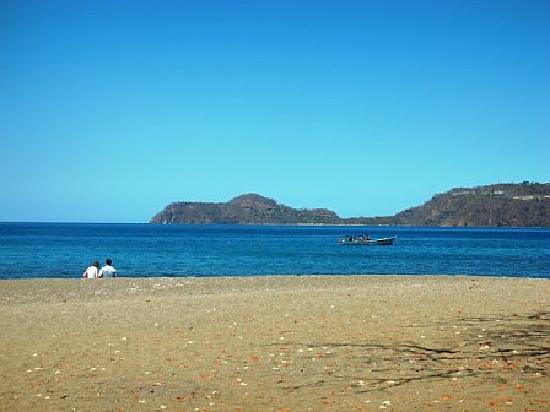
518 205
245 209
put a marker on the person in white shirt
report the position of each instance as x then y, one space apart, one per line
108 269
92 271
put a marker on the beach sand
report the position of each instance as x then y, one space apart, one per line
276 343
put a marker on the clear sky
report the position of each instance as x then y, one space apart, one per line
111 110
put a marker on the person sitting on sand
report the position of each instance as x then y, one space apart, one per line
92 271
108 269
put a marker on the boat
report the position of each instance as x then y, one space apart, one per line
366 241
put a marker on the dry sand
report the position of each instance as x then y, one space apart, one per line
276 343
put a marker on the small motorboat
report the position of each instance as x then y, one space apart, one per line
366 241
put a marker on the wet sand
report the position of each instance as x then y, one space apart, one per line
276 343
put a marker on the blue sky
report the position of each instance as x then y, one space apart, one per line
110 111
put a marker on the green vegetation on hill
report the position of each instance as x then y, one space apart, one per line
245 209
519 205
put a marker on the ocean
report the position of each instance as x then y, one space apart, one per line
64 250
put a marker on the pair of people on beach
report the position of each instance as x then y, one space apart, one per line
93 271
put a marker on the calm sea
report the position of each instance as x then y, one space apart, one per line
64 250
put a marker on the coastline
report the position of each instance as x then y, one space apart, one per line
275 342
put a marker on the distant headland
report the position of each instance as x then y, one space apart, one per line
499 205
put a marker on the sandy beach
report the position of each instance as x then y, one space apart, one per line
276 343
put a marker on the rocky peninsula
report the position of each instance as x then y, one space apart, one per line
498 205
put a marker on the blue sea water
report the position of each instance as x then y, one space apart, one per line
29 250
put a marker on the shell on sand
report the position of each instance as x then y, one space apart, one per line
275 343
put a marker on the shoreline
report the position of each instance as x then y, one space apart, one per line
370 225
327 275
275 343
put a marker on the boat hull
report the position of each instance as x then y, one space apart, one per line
386 241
